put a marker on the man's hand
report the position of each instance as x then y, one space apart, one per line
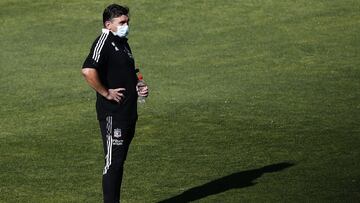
115 95
142 89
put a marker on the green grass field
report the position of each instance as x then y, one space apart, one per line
238 89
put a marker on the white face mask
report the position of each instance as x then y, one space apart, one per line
122 30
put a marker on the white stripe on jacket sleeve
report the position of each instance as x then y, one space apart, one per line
100 44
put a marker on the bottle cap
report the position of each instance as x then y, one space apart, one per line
140 77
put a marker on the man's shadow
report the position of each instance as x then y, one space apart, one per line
233 181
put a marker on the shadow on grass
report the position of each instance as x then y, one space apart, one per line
233 181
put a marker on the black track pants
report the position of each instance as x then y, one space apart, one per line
116 140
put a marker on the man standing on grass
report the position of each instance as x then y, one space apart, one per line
110 70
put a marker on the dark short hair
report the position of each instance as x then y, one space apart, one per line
114 11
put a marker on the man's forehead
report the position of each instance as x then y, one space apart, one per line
121 18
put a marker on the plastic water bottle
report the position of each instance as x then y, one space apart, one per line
140 84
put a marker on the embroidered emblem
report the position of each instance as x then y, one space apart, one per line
117 132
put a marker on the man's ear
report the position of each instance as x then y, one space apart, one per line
107 24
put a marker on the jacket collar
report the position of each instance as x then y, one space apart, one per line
121 39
